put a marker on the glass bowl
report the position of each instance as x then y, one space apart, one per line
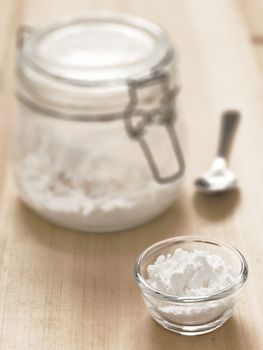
191 315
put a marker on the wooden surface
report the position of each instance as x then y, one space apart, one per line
62 290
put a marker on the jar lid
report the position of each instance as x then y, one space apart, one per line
78 60
97 49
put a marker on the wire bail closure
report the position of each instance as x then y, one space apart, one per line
163 115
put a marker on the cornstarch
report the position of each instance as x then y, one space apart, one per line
191 274
78 188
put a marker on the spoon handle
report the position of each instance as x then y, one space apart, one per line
230 120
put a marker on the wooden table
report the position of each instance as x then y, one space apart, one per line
64 290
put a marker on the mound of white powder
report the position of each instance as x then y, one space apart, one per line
194 273
89 191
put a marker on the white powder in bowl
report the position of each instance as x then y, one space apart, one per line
191 274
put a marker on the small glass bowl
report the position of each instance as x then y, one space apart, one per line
198 314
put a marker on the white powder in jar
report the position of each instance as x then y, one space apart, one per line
191 274
87 190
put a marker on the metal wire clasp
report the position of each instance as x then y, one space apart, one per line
164 115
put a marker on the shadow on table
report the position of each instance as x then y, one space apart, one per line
226 337
216 207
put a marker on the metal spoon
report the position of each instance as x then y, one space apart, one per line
219 178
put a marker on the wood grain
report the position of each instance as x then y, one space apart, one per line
67 290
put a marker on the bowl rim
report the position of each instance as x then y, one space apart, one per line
225 292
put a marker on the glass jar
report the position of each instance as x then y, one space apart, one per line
95 147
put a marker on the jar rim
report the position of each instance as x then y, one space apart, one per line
144 26
64 97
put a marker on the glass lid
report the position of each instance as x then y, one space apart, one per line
97 49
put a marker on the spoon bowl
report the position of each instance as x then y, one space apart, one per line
218 178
